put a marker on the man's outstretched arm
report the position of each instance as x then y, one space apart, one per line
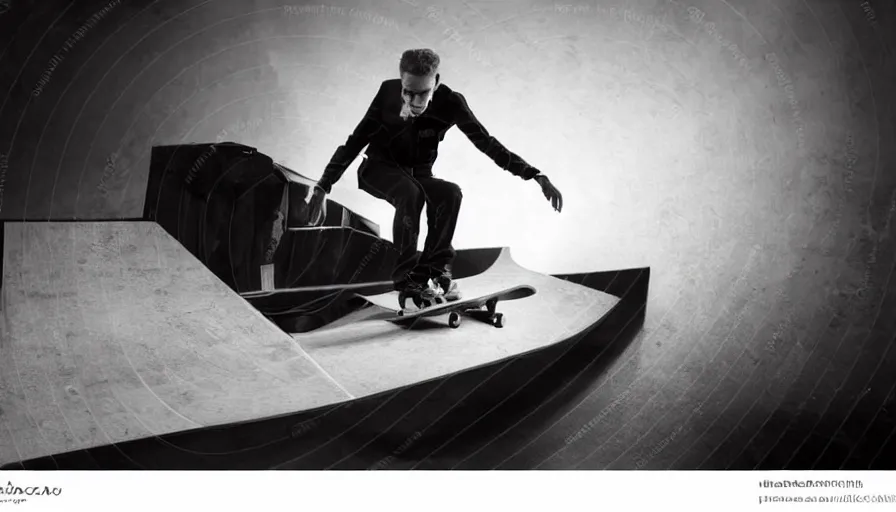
502 156
359 138
485 142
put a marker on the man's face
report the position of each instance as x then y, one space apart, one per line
416 91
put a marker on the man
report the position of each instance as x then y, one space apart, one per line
403 127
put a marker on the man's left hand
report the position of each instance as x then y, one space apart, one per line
550 192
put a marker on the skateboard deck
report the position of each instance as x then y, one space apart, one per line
481 307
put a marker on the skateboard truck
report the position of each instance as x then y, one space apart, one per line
488 315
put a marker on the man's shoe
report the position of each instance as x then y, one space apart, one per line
447 286
421 294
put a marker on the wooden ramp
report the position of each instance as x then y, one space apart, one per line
113 332
371 357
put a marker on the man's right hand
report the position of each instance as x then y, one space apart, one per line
318 206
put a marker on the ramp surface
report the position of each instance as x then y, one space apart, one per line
113 332
370 357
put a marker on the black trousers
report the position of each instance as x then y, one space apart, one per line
408 194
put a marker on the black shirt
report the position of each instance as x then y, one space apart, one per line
414 142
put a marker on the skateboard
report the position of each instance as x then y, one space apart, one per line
482 307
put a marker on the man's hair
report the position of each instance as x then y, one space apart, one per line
419 62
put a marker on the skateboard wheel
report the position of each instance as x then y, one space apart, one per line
498 321
454 320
